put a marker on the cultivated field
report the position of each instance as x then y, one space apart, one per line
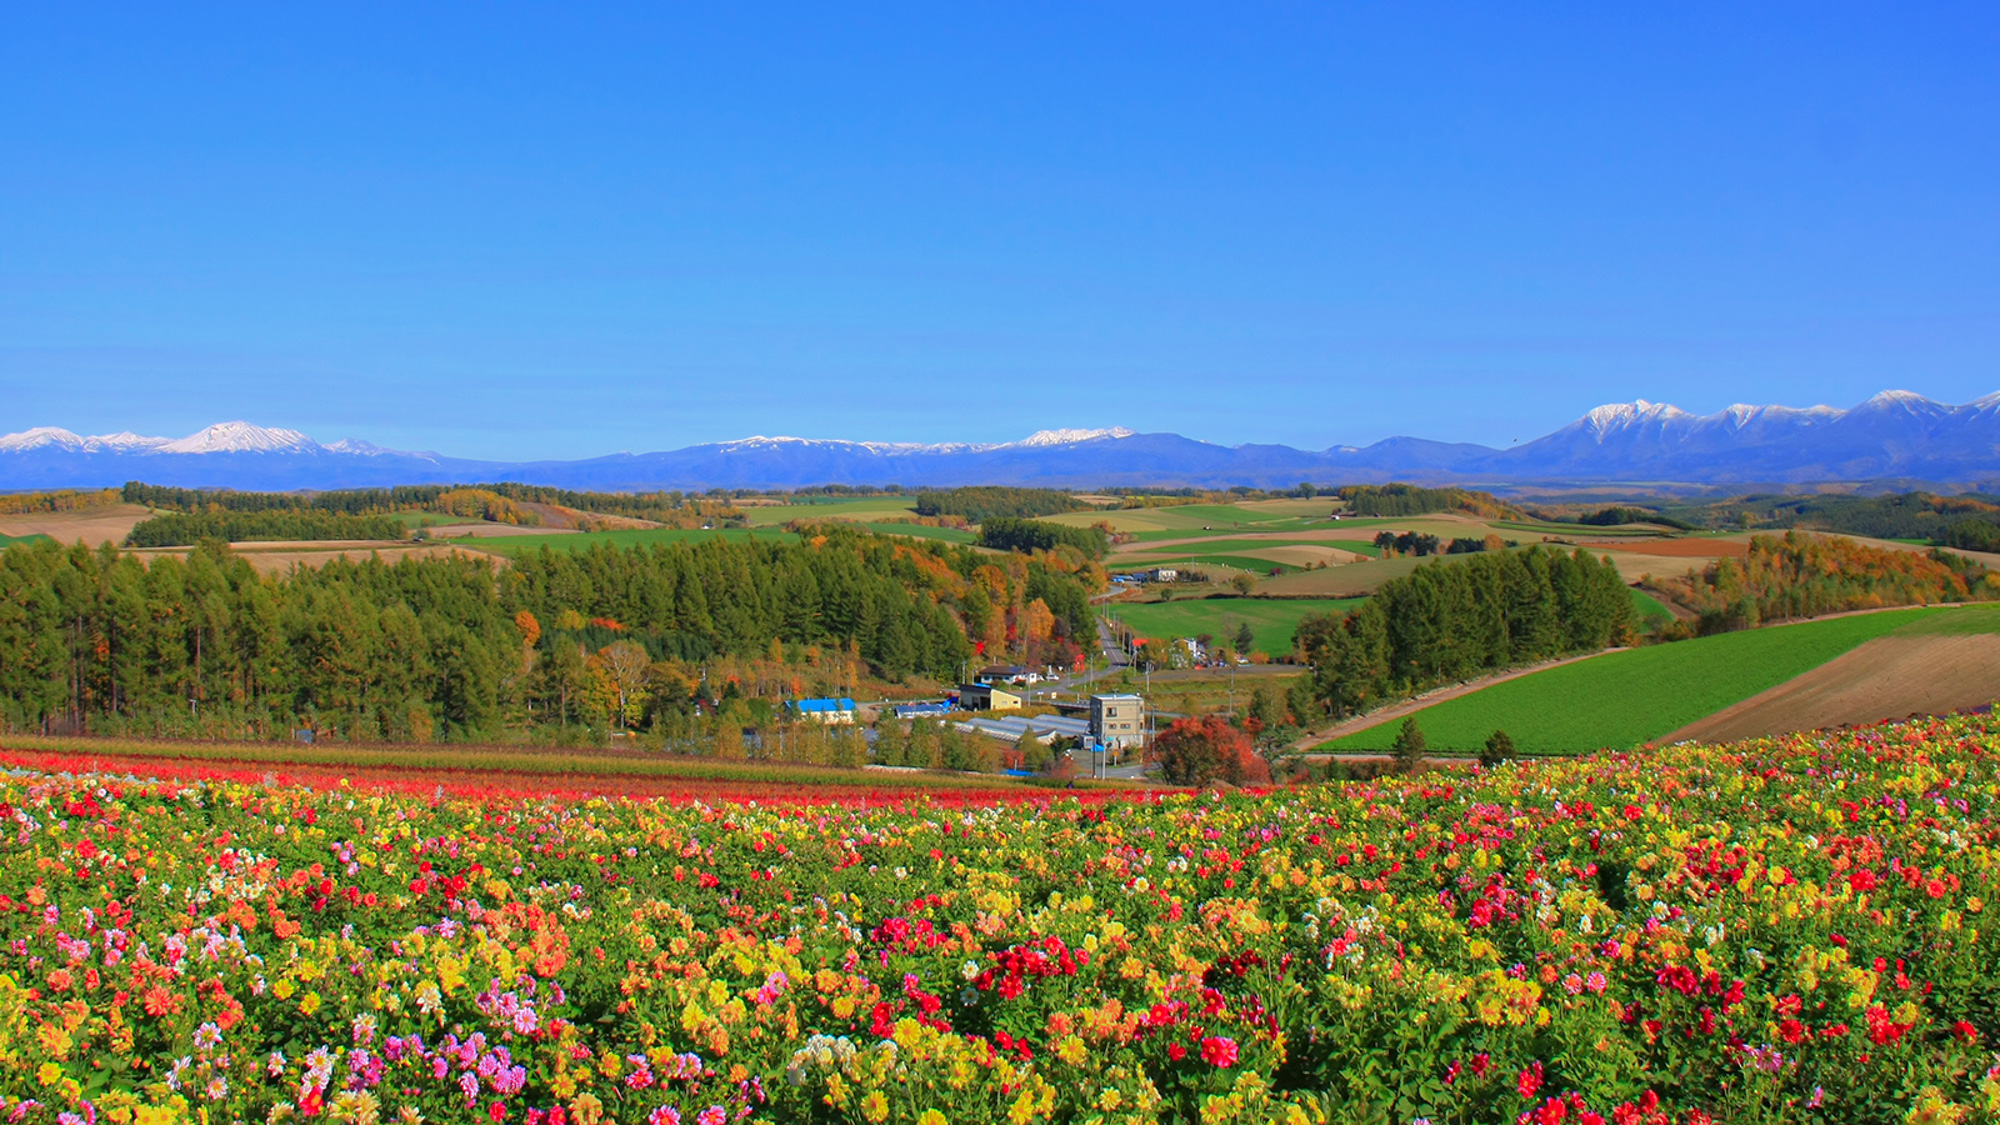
1622 699
95 526
1272 620
1932 666
1702 934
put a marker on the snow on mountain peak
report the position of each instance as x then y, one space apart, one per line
242 437
39 437
1617 415
1072 437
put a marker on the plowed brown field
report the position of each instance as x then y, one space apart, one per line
1886 678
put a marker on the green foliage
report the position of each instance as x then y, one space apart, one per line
661 506
1003 534
430 647
1622 699
1620 515
1448 622
184 529
1409 747
1411 500
1907 515
1498 748
980 503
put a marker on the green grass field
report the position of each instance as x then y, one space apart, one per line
10 540
513 546
919 531
1235 562
1626 698
860 509
1650 609
1271 620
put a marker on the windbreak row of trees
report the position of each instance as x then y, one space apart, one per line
980 503
1040 535
182 529
1451 621
1414 500
446 648
61 500
500 501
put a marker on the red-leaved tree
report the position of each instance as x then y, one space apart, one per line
1196 751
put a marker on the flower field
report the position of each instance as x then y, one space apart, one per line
1788 930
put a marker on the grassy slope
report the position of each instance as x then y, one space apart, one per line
1649 608
1625 698
1271 620
10 540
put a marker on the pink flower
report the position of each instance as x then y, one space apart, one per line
1219 1050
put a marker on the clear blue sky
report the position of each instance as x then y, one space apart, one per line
546 232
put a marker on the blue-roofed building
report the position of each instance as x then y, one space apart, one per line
829 711
922 710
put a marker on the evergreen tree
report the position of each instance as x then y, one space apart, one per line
1408 749
1499 747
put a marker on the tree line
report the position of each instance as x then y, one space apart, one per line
1805 575
445 647
672 508
61 500
980 503
1414 500
182 529
1447 622
1040 535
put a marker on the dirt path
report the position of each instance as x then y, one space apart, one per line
1437 695
1886 678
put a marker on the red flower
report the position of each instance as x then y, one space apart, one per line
1219 1050
1965 1031
1529 1080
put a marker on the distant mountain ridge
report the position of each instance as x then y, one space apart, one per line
1894 435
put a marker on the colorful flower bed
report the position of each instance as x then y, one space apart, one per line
1791 930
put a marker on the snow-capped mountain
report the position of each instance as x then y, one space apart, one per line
1896 435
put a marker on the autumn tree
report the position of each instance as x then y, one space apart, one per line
625 664
1196 751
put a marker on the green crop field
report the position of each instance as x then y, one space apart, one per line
1959 622
860 509
1235 562
1622 699
10 540
919 531
1271 620
513 546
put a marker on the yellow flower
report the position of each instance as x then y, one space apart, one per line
931 1117
875 1107
1071 1050
49 1073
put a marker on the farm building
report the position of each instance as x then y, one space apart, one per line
1163 574
1045 728
829 711
986 697
938 710
1008 674
1118 720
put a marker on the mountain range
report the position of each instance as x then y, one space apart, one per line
1896 435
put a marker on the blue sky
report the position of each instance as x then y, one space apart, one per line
538 232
